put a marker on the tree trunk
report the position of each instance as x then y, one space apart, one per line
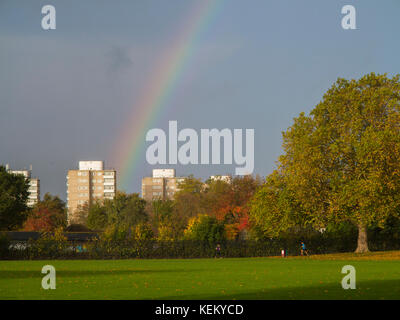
362 243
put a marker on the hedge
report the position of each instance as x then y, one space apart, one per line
149 249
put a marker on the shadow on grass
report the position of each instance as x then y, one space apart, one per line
374 289
24 274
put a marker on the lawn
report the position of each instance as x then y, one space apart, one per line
315 277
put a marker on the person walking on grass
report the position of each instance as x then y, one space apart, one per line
218 251
303 249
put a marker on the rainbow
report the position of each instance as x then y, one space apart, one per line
159 88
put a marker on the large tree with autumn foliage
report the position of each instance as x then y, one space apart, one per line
47 215
340 163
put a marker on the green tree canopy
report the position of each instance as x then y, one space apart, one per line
340 163
125 210
97 218
205 228
13 198
188 198
162 211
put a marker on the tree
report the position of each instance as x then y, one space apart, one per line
47 215
205 228
340 163
81 215
97 218
126 209
191 185
40 219
123 212
143 231
167 232
187 204
243 189
217 195
166 220
161 211
228 202
188 198
274 210
13 197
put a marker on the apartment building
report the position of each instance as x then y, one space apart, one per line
34 185
227 179
88 183
161 186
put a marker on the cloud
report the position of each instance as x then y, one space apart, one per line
118 60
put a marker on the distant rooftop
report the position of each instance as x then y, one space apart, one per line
91 165
163 173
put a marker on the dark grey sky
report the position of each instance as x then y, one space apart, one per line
65 94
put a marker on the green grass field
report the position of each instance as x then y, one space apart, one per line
316 277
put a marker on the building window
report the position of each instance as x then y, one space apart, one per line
109 195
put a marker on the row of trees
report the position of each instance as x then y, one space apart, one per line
211 210
340 167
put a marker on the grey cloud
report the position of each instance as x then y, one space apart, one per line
118 60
